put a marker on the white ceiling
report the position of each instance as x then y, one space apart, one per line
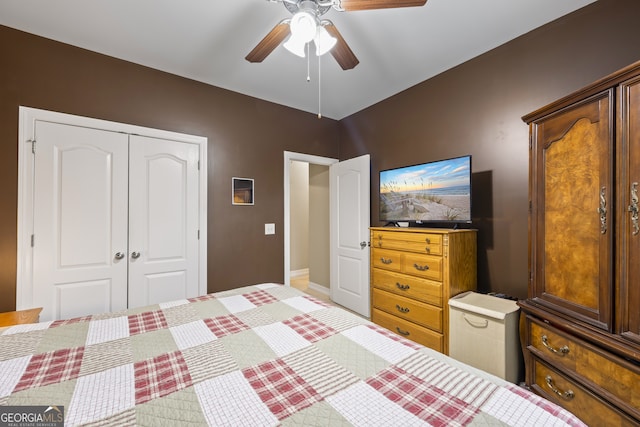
207 40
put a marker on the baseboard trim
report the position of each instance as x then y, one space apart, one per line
298 273
319 288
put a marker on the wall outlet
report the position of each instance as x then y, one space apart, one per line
269 229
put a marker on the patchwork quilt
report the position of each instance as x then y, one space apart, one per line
261 355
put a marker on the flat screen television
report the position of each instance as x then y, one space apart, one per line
427 193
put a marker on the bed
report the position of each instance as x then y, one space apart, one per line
259 355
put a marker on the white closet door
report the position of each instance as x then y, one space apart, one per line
80 221
163 220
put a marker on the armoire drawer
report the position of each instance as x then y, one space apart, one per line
603 370
420 243
560 389
407 329
389 260
408 309
426 266
424 290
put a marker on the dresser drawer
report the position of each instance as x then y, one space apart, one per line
426 266
408 309
389 260
560 389
423 290
414 242
603 370
408 329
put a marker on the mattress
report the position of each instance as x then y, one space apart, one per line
261 355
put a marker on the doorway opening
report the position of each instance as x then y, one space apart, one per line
306 221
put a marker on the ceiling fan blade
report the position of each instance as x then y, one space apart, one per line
341 51
269 42
348 5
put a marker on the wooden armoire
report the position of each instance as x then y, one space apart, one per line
580 326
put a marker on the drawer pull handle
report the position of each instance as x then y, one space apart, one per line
402 287
420 267
402 309
428 240
427 250
566 395
386 260
476 324
401 332
562 350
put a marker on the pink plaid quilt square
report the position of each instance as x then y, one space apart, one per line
317 301
206 297
146 322
387 333
160 376
51 367
58 323
259 298
423 400
309 328
280 388
225 325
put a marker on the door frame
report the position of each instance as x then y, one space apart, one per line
26 125
300 157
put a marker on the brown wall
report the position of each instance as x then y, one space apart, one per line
476 108
247 138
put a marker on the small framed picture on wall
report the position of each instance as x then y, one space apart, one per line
242 192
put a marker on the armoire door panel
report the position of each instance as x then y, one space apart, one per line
163 218
629 287
80 220
573 217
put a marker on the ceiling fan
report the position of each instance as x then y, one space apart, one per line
305 26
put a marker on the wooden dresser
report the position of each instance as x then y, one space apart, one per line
580 327
414 272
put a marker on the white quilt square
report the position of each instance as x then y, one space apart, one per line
380 345
107 330
513 410
11 371
237 303
27 327
192 334
175 303
363 406
101 395
282 339
303 304
225 399
264 286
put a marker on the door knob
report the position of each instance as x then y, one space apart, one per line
119 255
135 255
363 245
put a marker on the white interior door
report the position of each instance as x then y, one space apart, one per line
79 221
163 220
350 197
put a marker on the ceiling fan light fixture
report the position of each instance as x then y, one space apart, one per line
304 26
296 46
324 41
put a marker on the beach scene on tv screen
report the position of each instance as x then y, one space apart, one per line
438 191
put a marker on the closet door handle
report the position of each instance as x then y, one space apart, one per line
119 255
135 255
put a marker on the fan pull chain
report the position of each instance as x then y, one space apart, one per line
319 92
308 63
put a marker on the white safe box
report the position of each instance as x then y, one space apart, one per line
484 333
